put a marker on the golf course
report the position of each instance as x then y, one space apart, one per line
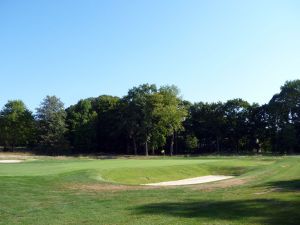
82 190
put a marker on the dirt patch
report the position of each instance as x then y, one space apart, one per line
14 156
221 184
102 187
268 191
107 187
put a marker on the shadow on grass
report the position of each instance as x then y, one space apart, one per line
289 185
266 211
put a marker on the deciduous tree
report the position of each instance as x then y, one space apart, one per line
17 125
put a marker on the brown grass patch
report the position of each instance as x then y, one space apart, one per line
105 187
220 184
268 191
15 155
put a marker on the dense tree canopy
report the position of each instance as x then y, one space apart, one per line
81 124
284 118
51 124
16 125
152 120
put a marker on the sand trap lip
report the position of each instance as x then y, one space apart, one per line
190 181
10 161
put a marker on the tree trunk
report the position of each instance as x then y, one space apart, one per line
153 151
176 143
172 145
134 146
146 148
218 145
128 148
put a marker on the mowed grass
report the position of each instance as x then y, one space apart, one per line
56 191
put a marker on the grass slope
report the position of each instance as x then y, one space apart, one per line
37 192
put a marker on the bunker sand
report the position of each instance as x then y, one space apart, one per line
10 161
191 181
205 180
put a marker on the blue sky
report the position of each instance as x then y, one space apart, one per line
212 50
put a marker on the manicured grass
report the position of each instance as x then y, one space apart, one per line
45 191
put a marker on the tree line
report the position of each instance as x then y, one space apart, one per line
152 120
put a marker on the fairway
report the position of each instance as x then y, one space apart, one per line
89 191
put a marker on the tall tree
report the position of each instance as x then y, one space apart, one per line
208 123
173 112
17 124
237 120
109 134
81 123
284 118
51 118
137 111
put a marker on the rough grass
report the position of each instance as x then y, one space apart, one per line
89 191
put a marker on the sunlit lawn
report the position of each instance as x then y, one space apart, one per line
48 190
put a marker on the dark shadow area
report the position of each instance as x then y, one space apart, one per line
289 185
266 211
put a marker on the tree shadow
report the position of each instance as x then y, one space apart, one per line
289 185
266 211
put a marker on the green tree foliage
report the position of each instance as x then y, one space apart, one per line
109 134
172 113
150 119
284 118
81 124
16 125
191 143
94 125
151 116
137 115
207 122
236 114
51 119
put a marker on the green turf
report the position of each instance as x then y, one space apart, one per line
36 192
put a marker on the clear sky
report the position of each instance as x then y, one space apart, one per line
212 50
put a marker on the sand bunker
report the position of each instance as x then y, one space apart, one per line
196 180
11 161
